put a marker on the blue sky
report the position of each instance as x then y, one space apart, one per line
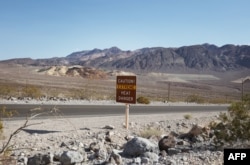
56 28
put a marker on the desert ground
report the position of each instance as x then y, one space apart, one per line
60 134
211 87
57 135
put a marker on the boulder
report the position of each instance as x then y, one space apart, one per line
108 137
153 157
116 157
173 151
101 154
71 157
40 159
145 160
167 142
137 146
108 127
94 146
194 131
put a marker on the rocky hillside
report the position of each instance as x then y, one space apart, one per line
74 71
204 57
197 57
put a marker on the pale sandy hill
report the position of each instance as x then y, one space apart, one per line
74 71
120 73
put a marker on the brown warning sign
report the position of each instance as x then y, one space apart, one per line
126 89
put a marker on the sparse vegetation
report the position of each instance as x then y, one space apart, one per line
32 114
234 125
149 132
187 116
4 90
219 100
4 153
143 100
32 91
195 99
7 90
4 113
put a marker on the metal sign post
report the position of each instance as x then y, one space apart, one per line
126 93
127 116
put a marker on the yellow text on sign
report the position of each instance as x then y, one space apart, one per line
126 87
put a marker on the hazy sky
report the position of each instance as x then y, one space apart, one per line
56 28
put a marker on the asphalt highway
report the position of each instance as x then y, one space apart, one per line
105 110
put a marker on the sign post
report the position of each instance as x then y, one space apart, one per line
127 115
126 92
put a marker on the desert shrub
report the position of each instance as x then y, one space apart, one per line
149 132
4 113
195 99
6 147
234 125
5 157
7 90
32 91
4 90
143 100
86 94
187 116
219 101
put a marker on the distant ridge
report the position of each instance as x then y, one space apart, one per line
204 57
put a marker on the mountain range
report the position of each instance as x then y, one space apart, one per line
204 57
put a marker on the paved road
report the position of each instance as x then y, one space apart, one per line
110 110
